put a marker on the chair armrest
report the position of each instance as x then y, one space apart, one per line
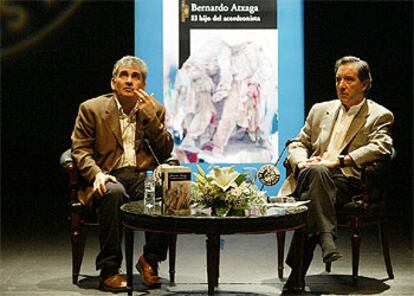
68 164
65 158
66 161
378 172
287 166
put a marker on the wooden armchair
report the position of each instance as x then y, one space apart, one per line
81 216
365 209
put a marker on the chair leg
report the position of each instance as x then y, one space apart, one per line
172 242
328 266
384 237
356 242
280 252
78 240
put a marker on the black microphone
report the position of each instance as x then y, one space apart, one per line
152 151
288 142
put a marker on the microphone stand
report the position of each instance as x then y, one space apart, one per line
152 151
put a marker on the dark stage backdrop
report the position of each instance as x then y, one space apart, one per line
379 32
43 85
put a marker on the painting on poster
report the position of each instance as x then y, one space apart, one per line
221 80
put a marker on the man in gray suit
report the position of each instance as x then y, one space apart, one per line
338 139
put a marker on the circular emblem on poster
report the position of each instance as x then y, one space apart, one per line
268 175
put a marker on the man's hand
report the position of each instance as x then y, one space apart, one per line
326 163
317 160
146 106
100 181
308 162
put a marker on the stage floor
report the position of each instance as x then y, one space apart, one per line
36 260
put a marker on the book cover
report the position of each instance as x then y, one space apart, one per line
220 79
176 190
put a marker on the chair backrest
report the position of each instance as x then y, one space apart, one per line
376 180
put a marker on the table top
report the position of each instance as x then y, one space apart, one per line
134 218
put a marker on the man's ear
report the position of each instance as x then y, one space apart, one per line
113 83
365 84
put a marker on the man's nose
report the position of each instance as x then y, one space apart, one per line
129 80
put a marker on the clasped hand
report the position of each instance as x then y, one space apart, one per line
317 161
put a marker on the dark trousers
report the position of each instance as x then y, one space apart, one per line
130 186
327 190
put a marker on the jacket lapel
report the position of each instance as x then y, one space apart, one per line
356 124
326 125
112 120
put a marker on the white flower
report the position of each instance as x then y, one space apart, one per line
224 177
225 188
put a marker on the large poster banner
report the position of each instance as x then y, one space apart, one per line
236 65
221 79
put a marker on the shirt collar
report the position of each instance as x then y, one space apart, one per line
119 106
353 109
121 112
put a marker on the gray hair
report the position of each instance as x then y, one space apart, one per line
364 73
131 61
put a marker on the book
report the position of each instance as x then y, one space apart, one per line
176 190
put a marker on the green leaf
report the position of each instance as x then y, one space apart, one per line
222 211
200 169
240 179
198 177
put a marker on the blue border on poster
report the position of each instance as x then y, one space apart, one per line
149 46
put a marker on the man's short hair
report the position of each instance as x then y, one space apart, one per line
364 73
131 61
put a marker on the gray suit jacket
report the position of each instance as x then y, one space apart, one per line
368 138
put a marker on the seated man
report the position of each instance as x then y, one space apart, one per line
116 138
339 137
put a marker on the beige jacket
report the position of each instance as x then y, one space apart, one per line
368 138
97 140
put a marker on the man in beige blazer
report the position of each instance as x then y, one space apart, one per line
116 138
338 139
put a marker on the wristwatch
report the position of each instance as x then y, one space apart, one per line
341 161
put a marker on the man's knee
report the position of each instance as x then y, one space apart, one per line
316 171
314 175
115 193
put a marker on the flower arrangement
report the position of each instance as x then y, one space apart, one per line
226 191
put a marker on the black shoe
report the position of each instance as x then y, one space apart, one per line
335 255
292 290
329 251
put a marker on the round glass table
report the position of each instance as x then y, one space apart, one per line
134 219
